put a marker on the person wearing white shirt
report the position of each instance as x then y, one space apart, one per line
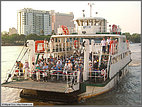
108 44
103 43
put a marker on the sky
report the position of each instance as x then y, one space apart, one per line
126 14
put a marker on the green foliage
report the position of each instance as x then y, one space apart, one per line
17 39
135 38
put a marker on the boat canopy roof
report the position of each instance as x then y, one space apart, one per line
88 18
87 36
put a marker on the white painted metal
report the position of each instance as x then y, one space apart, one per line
86 60
31 46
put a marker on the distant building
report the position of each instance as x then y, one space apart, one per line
31 21
59 19
12 31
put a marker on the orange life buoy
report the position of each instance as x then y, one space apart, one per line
65 29
76 43
36 46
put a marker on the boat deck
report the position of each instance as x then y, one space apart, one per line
41 86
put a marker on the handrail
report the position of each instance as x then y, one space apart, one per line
100 75
71 78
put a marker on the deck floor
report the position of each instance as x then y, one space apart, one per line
42 86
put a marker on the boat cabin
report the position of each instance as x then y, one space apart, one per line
91 25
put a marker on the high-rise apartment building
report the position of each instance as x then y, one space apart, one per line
59 19
31 21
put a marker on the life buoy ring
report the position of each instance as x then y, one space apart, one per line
114 28
76 43
37 43
16 70
65 29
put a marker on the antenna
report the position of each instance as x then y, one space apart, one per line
90 4
83 13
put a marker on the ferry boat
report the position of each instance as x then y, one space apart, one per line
101 71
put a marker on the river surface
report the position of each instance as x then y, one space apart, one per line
128 92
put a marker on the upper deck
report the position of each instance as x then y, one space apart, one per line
87 36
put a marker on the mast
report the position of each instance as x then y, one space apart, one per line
90 4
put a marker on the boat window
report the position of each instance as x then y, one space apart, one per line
70 39
121 56
85 23
81 39
78 22
89 41
67 39
81 23
55 39
91 22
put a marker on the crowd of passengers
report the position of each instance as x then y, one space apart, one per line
42 68
60 65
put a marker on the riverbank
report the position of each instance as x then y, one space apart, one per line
12 44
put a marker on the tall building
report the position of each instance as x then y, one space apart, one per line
31 21
12 31
59 19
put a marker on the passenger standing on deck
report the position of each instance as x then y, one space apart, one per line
80 68
26 67
103 43
70 66
21 68
38 71
116 45
111 45
66 68
45 72
108 44
33 71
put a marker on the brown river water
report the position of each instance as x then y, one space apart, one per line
127 92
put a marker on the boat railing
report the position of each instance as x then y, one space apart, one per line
46 75
113 49
98 75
